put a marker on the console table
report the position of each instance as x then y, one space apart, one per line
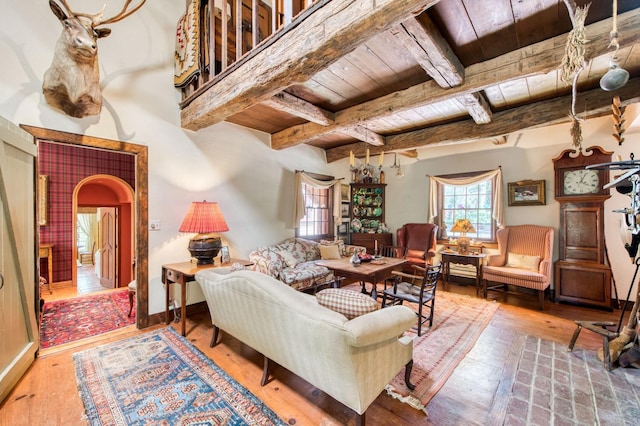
46 252
462 259
182 274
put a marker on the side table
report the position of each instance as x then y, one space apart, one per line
183 273
462 259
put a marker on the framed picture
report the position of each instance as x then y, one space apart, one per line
344 192
42 200
527 193
344 210
224 254
342 228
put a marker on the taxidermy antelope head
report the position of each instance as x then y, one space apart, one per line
72 83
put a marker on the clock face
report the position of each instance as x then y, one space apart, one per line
581 181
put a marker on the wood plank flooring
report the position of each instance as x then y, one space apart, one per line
475 393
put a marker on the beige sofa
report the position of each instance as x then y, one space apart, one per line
350 360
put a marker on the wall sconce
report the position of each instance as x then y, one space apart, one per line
204 218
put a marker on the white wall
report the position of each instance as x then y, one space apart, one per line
224 163
235 166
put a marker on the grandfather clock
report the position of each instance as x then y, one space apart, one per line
581 273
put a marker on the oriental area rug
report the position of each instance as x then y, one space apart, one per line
161 378
458 322
69 320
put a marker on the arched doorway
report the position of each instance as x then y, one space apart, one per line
141 203
114 239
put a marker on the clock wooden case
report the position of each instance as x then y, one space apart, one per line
581 273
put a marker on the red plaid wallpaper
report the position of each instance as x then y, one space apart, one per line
66 165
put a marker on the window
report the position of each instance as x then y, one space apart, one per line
472 202
318 219
473 196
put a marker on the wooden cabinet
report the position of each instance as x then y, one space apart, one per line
367 216
371 241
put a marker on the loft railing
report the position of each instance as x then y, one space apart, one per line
229 30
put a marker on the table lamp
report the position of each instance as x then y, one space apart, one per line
204 218
463 226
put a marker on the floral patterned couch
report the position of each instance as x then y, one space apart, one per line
293 261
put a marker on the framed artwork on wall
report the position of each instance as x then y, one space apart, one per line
527 193
42 200
344 210
342 228
344 192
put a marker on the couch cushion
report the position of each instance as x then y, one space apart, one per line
288 258
523 261
304 271
328 252
349 303
339 243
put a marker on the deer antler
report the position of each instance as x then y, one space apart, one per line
95 17
123 13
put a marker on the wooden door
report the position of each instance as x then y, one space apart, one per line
109 246
19 338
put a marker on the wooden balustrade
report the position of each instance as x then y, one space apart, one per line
257 21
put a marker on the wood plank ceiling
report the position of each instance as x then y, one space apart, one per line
394 75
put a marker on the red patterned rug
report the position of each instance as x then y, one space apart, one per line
458 322
69 320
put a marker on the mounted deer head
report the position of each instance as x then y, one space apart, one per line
72 83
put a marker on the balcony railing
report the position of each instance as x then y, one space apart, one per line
229 30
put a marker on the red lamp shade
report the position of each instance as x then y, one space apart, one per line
203 218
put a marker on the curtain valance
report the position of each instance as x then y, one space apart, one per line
498 210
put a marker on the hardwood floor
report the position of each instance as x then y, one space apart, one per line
48 393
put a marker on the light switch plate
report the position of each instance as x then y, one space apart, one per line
154 225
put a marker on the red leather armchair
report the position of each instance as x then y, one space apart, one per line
420 240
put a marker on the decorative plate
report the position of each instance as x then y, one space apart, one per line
356 225
379 191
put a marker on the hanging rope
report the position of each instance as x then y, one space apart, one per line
573 59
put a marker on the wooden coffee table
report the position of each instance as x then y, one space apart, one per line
374 271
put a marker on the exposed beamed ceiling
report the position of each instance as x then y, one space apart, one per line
390 75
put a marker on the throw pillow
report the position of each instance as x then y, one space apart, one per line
329 252
523 261
288 258
341 247
349 303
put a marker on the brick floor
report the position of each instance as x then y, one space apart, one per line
554 387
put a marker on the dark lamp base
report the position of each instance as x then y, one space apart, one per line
204 250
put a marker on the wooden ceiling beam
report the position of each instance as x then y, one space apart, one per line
290 104
423 40
363 134
596 102
333 30
535 59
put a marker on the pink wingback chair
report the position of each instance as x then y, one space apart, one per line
524 261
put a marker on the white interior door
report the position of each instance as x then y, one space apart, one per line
19 337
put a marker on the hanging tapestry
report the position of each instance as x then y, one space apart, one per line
187 58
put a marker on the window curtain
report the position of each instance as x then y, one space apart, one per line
496 175
88 225
298 199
